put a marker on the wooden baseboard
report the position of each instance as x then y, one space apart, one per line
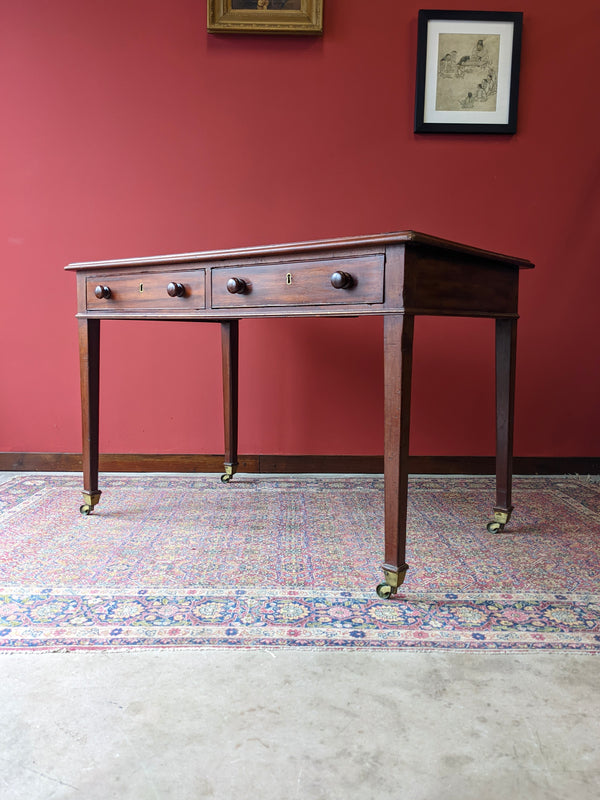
426 465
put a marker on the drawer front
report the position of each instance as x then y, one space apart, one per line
299 283
147 292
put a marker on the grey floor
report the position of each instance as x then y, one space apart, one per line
314 725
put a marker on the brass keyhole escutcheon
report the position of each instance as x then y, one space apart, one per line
288 279
141 287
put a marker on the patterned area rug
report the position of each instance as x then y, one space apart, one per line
271 562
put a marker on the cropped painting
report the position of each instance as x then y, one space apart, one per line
265 16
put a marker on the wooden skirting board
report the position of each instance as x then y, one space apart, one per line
426 465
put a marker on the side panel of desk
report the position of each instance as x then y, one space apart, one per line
447 283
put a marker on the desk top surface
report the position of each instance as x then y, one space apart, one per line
373 240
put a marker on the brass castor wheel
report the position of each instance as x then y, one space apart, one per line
90 499
226 478
384 590
494 527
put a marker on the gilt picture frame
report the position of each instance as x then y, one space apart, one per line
467 71
265 16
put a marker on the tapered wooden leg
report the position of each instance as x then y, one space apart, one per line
230 349
506 351
398 344
89 364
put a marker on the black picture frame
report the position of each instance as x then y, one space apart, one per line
468 71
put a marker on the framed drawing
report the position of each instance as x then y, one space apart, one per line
468 71
265 16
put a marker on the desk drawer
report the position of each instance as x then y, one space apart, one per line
298 283
157 291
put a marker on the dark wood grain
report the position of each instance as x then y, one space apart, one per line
236 286
265 252
294 283
89 361
506 360
175 289
148 291
230 356
458 284
294 463
398 331
342 280
396 276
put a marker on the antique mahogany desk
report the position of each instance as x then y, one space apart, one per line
395 275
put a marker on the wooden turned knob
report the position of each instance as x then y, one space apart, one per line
175 289
342 280
236 286
102 292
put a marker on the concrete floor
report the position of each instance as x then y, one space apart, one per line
313 725
303 725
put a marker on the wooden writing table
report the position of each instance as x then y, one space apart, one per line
395 275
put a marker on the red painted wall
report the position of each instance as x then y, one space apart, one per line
129 131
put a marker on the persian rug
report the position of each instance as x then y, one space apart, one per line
172 561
